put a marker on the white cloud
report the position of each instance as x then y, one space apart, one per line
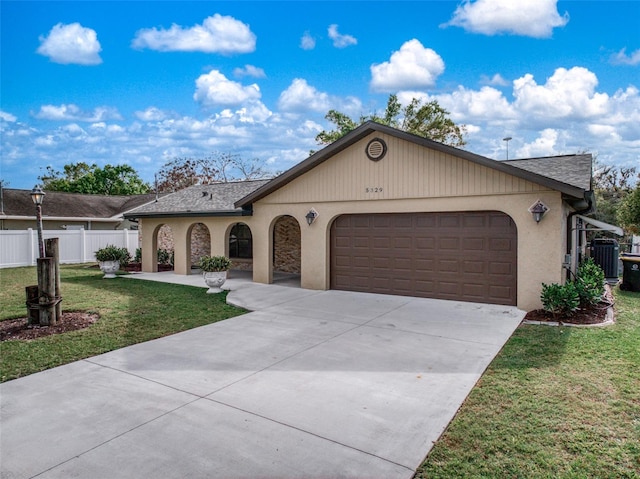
307 42
73 112
411 67
495 80
621 58
471 105
215 89
151 114
300 96
250 71
71 43
4 116
340 40
544 145
217 34
566 94
531 18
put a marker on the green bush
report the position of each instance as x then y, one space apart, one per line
113 253
165 256
560 300
214 263
589 282
138 256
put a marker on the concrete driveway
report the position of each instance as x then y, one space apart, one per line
312 384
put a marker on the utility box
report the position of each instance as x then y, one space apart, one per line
630 272
605 252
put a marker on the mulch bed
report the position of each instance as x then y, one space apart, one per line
596 314
20 329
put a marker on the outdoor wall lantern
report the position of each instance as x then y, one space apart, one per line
37 195
537 210
311 216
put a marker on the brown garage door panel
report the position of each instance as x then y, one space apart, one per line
462 256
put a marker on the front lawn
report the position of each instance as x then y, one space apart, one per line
131 311
555 403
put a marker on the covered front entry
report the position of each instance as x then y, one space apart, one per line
465 256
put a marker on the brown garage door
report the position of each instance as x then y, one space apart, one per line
462 256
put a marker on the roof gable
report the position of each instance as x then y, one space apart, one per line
369 127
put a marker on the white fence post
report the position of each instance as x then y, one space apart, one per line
32 257
83 245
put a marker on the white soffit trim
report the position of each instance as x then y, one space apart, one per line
600 225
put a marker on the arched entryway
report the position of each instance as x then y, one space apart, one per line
286 248
163 244
198 243
240 247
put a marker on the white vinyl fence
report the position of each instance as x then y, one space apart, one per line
20 247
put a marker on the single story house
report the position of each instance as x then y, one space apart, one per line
68 210
384 211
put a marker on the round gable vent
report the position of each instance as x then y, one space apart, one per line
376 149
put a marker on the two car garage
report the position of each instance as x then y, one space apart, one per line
465 256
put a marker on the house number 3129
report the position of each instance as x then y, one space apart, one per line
375 189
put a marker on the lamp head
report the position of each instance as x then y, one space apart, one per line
37 195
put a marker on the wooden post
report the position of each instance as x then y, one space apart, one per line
52 251
32 304
47 291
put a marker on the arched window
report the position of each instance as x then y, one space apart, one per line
240 242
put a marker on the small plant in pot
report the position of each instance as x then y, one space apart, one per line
110 258
214 271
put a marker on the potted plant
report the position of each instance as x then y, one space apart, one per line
110 258
214 271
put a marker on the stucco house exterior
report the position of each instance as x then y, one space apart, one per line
384 211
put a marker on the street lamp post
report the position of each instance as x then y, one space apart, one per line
37 195
507 140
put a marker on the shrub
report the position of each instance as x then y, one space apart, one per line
113 253
560 300
165 256
589 282
214 263
138 256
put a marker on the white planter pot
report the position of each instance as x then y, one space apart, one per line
109 268
214 279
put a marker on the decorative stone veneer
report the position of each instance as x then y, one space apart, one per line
200 240
286 245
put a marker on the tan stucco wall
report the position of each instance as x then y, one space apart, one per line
541 247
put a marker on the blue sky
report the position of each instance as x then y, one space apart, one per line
142 83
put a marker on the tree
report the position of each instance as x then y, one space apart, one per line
91 179
219 167
628 213
428 120
611 186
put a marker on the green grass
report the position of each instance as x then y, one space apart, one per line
555 403
131 311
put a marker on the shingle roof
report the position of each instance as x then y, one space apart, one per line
217 198
573 170
18 203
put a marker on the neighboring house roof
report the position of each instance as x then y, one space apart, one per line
575 190
17 204
573 170
216 199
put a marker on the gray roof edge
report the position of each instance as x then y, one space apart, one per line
182 214
370 127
